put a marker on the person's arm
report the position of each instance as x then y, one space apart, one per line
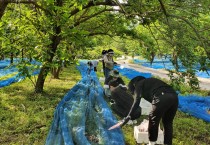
137 99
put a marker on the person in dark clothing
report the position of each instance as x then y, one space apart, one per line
103 53
164 101
122 100
131 86
109 62
114 75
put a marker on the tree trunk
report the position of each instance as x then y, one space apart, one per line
56 72
55 39
3 6
22 54
45 70
41 79
11 58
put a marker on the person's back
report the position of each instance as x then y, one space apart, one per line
113 76
151 86
123 101
164 101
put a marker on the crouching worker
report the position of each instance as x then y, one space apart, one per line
122 101
113 76
164 106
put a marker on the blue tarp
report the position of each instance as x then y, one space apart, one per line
6 68
131 73
14 79
165 63
12 69
83 114
196 106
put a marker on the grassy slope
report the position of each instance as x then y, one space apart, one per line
26 117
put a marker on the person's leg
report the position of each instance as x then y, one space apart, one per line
154 118
106 72
167 120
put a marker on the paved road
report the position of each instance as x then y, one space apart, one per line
203 82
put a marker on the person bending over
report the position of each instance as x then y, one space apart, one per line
122 100
164 102
114 75
131 87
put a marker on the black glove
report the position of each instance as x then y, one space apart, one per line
125 120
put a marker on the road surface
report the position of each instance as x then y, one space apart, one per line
204 83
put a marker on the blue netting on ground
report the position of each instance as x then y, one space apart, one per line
83 116
6 62
194 105
17 77
14 79
8 70
131 73
165 63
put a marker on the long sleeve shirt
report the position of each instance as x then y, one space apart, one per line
147 88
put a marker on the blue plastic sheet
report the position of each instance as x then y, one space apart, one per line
12 69
196 106
131 73
165 63
83 114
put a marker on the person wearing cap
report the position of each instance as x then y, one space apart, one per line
122 100
108 62
113 75
164 102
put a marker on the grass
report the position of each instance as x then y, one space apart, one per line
26 117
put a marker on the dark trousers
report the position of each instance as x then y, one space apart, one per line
106 71
163 106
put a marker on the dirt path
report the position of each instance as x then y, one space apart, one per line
203 82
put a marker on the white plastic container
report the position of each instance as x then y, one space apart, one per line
146 107
142 137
